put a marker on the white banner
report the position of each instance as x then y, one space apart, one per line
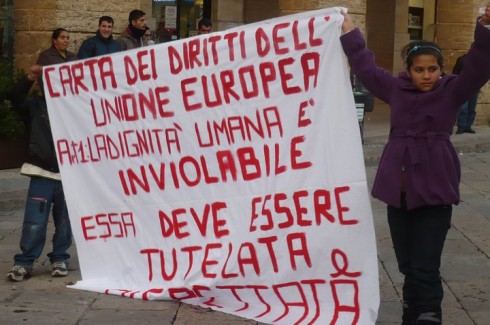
224 170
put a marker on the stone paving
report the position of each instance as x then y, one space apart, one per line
44 300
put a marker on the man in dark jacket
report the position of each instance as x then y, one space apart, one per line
102 43
132 36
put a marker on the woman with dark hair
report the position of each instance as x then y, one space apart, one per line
419 171
58 52
45 193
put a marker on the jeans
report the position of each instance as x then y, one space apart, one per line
42 194
418 238
467 113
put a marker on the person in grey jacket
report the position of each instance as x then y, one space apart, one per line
103 41
132 36
45 194
419 171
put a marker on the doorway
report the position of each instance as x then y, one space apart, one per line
176 19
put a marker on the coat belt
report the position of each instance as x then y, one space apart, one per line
411 137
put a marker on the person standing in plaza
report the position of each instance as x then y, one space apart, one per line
467 112
419 171
132 36
45 192
103 41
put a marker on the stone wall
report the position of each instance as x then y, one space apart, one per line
35 21
227 14
380 20
356 7
257 10
455 28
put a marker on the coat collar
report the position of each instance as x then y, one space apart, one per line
99 36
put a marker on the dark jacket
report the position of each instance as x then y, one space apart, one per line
41 151
34 111
420 123
97 45
127 41
52 56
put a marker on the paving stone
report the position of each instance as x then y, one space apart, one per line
43 307
131 316
390 313
474 295
123 303
460 247
189 314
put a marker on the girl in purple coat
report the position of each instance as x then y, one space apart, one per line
419 172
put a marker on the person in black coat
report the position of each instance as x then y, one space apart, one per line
45 193
103 41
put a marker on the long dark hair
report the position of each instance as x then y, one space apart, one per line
57 32
414 49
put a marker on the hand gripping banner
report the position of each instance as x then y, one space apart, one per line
224 170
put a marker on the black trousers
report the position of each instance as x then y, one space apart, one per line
418 239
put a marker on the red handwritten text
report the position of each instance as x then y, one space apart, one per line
283 211
108 225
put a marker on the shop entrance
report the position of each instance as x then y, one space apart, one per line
176 19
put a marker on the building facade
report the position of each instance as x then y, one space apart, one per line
387 24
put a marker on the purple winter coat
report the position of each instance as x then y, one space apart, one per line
420 123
